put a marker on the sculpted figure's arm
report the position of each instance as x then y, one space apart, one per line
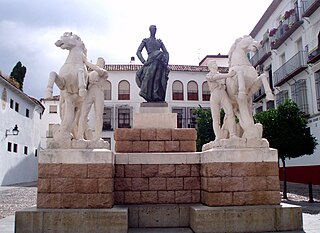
101 72
139 51
164 50
220 76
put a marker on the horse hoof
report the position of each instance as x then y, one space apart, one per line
82 92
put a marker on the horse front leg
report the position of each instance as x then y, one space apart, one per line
54 78
242 85
265 83
82 82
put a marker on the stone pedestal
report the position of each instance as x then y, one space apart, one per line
35 220
75 178
154 115
267 218
240 177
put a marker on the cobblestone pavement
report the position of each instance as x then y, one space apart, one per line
14 198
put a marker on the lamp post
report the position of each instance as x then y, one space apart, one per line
14 131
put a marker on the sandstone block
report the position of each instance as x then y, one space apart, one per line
188 146
123 146
216 199
255 183
132 197
175 183
163 134
183 196
74 200
148 135
214 184
156 146
166 197
150 170
191 183
124 134
157 183
132 170
100 170
140 184
105 185
172 146
229 184
122 184
49 200
167 170
195 170
119 197
216 169
183 170
140 146
74 170
44 185
244 169
149 197
100 200
86 185
183 134
48 170
119 170
63 185
273 183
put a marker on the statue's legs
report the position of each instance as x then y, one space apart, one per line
82 82
98 109
53 78
215 112
242 85
84 112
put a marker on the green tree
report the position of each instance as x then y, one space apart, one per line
286 130
205 132
18 73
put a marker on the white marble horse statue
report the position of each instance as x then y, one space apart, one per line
72 82
244 84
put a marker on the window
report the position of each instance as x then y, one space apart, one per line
50 131
259 109
270 104
25 151
181 116
16 107
205 91
107 119
299 44
9 147
317 82
11 103
124 118
281 97
299 95
124 90
36 153
107 91
177 90
192 90
15 148
27 113
53 109
192 118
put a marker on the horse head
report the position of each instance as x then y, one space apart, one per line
69 41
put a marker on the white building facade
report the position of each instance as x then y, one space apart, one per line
289 34
18 153
187 88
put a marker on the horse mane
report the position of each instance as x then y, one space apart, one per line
233 47
75 36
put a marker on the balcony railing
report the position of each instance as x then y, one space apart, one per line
291 68
259 94
314 54
261 55
309 7
285 29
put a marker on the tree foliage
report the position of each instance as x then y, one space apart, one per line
205 132
286 130
18 73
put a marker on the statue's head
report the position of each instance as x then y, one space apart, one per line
153 30
101 62
212 65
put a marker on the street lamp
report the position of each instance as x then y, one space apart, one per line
14 131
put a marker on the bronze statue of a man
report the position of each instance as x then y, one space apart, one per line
152 77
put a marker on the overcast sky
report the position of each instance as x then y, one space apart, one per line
114 29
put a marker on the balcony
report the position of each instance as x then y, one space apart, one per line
286 28
291 68
259 94
314 54
261 55
309 7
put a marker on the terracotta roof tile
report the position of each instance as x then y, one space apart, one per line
134 67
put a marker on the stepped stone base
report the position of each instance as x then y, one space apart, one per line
273 218
70 178
155 140
35 220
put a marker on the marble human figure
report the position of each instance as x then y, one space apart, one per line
152 77
220 99
97 83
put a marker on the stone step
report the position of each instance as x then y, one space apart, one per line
160 230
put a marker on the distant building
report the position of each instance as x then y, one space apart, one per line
18 153
289 32
187 89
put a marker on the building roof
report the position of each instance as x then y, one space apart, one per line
218 56
135 67
273 6
21 93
